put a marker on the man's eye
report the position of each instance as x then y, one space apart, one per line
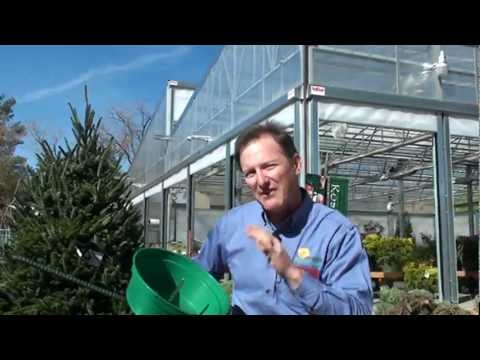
249 175
271 166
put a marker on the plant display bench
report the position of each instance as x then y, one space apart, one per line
386 278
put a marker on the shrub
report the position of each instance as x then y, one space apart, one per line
421 276
414 302
389 251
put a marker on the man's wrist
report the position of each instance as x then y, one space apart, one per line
294 276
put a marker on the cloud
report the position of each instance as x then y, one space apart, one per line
136 64
43 93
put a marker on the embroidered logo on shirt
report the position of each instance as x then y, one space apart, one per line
303 253
309 264
310 261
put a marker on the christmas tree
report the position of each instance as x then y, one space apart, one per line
77 219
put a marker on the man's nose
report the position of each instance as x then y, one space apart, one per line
262 180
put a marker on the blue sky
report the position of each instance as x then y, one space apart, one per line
44 79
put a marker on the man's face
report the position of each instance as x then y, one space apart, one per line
270 175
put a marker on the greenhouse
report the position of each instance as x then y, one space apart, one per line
391 131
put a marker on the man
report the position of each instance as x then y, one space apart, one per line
314 195
286 254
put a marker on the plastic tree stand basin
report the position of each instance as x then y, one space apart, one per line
166 283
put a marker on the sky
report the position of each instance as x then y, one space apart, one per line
44 79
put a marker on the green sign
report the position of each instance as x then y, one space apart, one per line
337 197
328 190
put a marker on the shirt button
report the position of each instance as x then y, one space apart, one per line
267 291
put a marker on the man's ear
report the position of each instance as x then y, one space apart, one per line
297 163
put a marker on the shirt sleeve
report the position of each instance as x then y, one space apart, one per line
211 255
344 287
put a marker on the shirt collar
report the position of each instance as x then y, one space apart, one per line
294 220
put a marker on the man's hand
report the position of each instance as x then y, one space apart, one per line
276 254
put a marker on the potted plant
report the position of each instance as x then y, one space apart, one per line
369 229
421 276
390 253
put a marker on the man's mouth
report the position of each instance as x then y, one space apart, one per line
267 193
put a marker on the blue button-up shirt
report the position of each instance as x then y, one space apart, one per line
318 239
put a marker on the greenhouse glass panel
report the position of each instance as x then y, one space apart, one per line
334 66
209 200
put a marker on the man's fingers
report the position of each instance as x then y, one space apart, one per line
270 246
277 245
262 238
256 231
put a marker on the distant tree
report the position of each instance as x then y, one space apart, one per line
12 167
40 134
127 129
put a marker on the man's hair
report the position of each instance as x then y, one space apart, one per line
277 132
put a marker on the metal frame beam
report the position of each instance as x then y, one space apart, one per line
313 145
446 247
236 183
165 218
301 116
380 151
415 169
190 212
398 101
145 220
229 178
471 220
476 63
401 209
